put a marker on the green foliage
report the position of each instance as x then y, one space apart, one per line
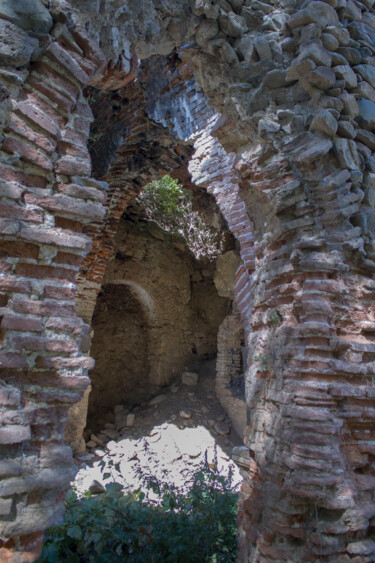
170 206
274 319
197 526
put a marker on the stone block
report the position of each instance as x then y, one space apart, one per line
325 123
366 117
322 78
29 15
14 434
345 72
16 46
189 378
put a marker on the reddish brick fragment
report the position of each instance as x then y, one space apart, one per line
60 293
12 360
43 308
20 127
19 212
45 272
62 57
19 249
22 323
38 117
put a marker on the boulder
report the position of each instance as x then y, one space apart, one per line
16 47
29 15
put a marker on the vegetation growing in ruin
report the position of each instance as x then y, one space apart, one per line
194 526
167 203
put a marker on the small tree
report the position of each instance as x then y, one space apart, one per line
168 204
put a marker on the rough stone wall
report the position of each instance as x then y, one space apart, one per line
154 288
296 80
230 384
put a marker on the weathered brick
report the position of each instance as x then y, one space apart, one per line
80 192
89 46
56 237
18 249
14 434
68 206
38 117
13 285
10 396
20 127
31 180
22 323
62 57
60 293
11 190
43 308
72 166
83 362
12 360
22 213
67 258
37 344
45 272
63 102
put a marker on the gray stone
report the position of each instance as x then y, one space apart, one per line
366 117
338 59
317 53
263 48
299 68
275 79
130 419
362 31
322 77
353 56
245 48
207 30
156 400
268 126
346 129
350 104
16 47
316 12
344 72
367 138
222 428
310 32
346 153
189 378
330 42
367 72
364 90
341 33
29 15
5 506
325 123
232 24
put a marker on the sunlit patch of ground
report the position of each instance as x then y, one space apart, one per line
168 454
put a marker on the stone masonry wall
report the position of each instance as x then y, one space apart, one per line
291 162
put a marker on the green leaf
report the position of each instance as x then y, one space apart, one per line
74 532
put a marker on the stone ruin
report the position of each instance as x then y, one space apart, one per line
267 108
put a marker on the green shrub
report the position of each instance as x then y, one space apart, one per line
168 204
197 526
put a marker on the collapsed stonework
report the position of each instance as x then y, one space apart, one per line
276 100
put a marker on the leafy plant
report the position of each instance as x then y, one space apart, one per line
195 526
170 206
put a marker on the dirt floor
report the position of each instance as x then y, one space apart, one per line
167 438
